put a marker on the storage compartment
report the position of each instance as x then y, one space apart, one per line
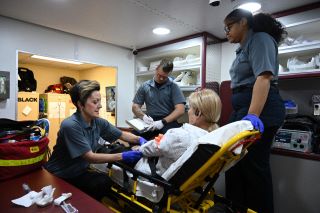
57 108
28 106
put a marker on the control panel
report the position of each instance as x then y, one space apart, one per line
296 140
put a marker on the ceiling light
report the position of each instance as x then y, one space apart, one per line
161 31
55 59
250 6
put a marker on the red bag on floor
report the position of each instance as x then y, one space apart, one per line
22 157
18 153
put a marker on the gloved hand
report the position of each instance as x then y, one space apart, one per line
147 119
157 125
256 122
142 141
131 156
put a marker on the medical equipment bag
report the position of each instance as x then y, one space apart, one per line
23 147
27 82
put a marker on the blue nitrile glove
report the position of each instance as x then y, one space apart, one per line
142 141
131 156
256 122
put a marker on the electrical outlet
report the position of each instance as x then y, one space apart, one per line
316 98
316 109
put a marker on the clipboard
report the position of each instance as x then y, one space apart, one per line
138 125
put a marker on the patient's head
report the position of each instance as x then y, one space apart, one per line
205 109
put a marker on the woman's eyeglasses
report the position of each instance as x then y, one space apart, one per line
228 27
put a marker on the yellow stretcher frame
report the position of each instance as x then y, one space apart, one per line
184 196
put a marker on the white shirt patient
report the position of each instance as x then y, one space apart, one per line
172 145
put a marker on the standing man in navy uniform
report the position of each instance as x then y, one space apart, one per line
163 99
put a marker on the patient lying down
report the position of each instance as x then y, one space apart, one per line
204 113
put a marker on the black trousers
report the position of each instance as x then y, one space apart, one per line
249 182
93 183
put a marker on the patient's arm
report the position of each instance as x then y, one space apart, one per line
150 149
168 142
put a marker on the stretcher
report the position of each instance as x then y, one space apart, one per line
190 189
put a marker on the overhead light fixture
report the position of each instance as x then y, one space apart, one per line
55 59
251 6
214 3
161 31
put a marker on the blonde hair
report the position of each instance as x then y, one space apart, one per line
208 103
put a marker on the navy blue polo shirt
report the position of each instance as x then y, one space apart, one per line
160 101
257 54
76 138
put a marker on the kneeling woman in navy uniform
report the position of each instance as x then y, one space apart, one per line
78 140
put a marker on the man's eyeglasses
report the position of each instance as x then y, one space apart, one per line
228 27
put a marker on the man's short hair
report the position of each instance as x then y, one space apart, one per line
166 65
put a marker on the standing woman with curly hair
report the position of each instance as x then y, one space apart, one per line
255 97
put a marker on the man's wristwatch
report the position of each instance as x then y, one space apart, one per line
164 121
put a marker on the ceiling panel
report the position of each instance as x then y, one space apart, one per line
129 23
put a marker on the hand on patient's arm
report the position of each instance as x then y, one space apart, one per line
142 141
150 149
92 157
131 156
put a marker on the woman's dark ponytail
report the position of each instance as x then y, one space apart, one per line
266 23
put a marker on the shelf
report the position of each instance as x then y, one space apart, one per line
310 26
183 48
145 73
175 69
305 48
303 74
303 155
189 88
